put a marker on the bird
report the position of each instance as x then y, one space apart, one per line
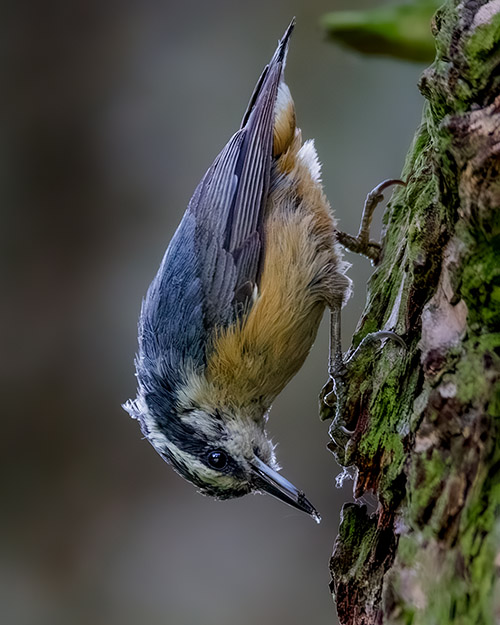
235 306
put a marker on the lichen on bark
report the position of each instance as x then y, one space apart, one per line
426 420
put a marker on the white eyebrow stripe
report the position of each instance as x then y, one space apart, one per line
203 423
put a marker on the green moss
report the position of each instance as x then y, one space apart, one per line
444 20
493 406
413 163
384 414
426 482
464 592
473 385
352 552
483 53
381 446
458 579
480 286
408 549
495 295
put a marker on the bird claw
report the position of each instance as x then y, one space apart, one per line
372 338
334 392
361 243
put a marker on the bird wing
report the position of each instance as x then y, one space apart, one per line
211 267
229 203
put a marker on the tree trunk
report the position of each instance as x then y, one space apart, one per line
426 420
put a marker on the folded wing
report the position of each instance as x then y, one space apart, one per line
213 263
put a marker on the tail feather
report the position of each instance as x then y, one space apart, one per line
271 76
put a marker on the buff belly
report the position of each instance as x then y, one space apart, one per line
251 361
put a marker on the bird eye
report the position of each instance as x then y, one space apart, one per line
217 459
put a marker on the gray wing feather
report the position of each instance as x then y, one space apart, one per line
229 209
171 324
214 259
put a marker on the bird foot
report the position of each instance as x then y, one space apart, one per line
333 393
361 244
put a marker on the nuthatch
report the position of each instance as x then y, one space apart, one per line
235 306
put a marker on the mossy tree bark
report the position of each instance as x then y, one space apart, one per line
426 420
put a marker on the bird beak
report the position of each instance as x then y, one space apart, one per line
276 485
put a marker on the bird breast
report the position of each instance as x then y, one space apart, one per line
252 360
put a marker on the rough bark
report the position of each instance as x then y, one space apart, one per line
426 420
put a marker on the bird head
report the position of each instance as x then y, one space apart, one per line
225 455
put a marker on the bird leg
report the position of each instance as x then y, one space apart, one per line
338 368
333 393
361 243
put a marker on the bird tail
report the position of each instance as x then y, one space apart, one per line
271 94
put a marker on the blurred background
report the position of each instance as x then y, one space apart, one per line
111 113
